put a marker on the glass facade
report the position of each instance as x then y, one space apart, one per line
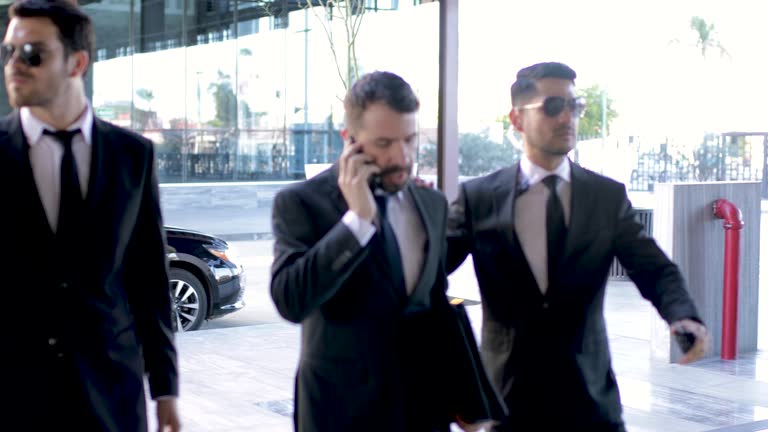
233 90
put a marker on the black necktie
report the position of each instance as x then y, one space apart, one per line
556 229
390 245
71 198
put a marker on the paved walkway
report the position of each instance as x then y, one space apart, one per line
241 379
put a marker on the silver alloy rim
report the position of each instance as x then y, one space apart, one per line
186 304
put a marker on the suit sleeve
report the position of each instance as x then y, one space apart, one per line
146 270
459 231
656 276
307 272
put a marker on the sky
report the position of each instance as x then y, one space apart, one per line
642 53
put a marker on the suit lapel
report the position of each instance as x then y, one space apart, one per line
432 244
96 180
504 195
582 201
21 150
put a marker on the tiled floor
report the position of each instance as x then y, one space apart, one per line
241 379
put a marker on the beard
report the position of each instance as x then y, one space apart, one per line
390 186
25 97
561 143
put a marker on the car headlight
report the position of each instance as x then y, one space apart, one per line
226 253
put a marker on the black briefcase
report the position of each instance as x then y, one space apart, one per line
470 394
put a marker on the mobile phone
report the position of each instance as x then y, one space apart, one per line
374 181
685 340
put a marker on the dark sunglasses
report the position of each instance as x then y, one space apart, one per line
29 54
554 105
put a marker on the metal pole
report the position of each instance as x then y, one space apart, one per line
236 137
733 223
447 119
185 125
306 87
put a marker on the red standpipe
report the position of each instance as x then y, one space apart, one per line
732 224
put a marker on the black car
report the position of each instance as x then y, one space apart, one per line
207 280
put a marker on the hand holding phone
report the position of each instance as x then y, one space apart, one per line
685 340
357 171
692 338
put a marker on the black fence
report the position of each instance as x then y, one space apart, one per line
722 157
246 155
281 154
644 216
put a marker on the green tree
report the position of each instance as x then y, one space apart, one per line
479 155
224 100
591 123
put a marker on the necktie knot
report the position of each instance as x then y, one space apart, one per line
63 136
551 182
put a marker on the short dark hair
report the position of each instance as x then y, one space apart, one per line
75 27
525 86
377 87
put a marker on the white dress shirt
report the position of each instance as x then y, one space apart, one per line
531 213
45 153
409 230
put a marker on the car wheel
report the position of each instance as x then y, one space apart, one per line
190 303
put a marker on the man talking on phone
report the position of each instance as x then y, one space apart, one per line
359 260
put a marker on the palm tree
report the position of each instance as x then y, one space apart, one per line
146 95
706 37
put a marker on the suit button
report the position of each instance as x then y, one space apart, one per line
545 305
60 355
64 285
52 341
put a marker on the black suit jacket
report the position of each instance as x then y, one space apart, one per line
364 356
84 322
548 354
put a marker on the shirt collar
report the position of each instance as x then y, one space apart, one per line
532 173
397 195
33 127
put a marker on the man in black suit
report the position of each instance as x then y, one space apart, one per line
85 248
542 234
360 263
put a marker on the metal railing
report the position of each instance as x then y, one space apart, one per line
645 217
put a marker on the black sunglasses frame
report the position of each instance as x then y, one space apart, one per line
553 106
29 54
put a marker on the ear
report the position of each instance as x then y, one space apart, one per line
516 118
79 61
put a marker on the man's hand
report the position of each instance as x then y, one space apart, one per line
420 182
355 168
167 416
475 427
702 343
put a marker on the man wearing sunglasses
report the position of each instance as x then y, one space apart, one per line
543 234
84 236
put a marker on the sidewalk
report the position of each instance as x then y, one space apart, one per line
241 379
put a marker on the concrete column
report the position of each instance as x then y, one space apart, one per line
686 229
